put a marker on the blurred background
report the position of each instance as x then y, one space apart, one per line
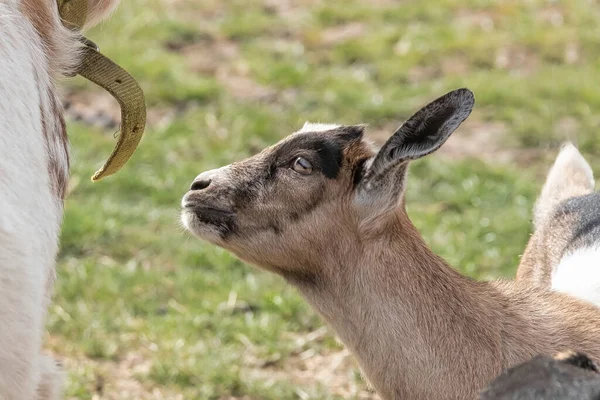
144 311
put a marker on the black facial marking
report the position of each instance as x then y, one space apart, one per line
349 132
330 159
327 151
358 172
272 169
247 188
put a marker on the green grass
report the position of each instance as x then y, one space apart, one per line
144 311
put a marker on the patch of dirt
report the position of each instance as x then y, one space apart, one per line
568 128
100 109
483 140
455 66
245 88
124 379
221 58
518 59
118 380
342 33
551 15
449 66
97 108
200 13
423 73
484 20
207 56
290 10
334 370
572 53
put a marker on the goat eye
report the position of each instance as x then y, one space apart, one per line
302 166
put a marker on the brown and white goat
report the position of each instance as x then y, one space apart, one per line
35 49
327 213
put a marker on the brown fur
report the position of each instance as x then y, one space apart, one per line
55 136
60 178
419 329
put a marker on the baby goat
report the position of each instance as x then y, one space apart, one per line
327 213
35 49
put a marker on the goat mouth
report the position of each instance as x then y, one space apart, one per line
200 215
208 214
208 223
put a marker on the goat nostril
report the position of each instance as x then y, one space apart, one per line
200 184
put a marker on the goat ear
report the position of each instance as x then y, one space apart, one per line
427 130
422 134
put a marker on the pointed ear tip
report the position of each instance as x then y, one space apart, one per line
358 128
466 96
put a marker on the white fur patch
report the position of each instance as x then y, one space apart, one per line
317 127
30 210
34 48
578 274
